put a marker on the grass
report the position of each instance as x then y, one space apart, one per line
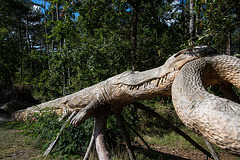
172 139
15 145
158 133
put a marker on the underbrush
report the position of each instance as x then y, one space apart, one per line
43 130
73 140
152 126
155 132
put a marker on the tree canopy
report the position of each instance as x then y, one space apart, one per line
59 47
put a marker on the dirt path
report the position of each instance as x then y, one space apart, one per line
174 153
193 154
14 146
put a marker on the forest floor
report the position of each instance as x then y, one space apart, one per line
15 146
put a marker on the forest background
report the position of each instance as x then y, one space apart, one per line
57 47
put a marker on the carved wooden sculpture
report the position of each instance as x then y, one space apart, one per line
184 76
215 118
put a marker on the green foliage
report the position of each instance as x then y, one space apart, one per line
69 53
18 22
72 45
217 19
215 90
237 91
75 44
151 126
45 127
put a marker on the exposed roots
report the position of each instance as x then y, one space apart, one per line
100 134
125 136
212 150
49 149
177 130
90 145
129 126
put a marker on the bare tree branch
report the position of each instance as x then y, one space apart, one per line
125 136
177 130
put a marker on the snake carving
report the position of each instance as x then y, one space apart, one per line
184 76
215 118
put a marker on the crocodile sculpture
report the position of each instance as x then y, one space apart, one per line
111 95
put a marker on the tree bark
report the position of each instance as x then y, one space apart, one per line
129 126
45 28
212 150
177 130
229 45
20 49
197 26
90 145
100 133
125 136
52 27
192 22
27 36
134 34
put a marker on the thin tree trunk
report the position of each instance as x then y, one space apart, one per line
177 130
65 71
90 145
29 50
229 45
20 49
57 17
197 27
134 35
45 33
129 126
57 13
212 150
27 36
192 22
184 17
52 28
125 136
100 133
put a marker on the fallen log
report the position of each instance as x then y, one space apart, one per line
110 96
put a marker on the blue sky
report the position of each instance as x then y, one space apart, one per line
38 1
47 3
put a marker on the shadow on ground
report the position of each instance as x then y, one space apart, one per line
157 155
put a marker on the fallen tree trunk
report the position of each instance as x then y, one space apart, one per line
111 95
122 89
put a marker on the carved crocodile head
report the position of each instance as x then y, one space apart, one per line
173 64
177 61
